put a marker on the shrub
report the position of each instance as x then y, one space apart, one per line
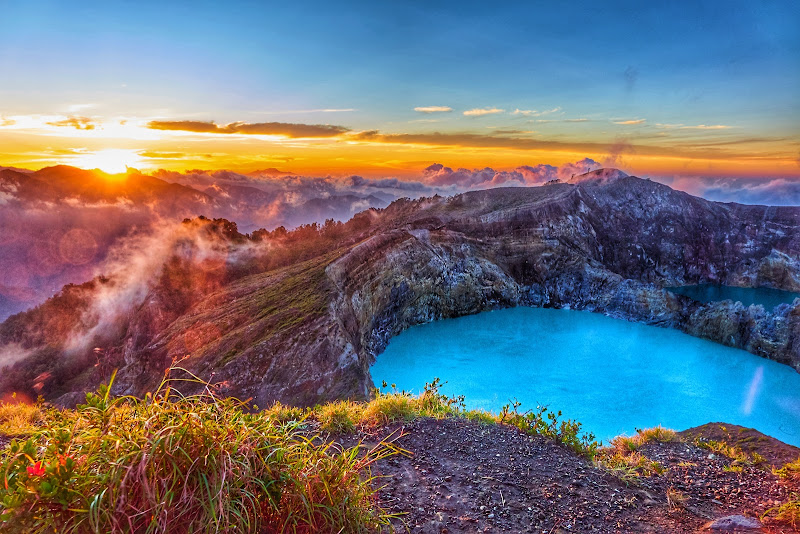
623 458
543 422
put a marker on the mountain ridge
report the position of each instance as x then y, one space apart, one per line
308 331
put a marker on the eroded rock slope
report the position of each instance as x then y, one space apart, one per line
607 243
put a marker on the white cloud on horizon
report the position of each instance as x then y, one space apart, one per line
534 113
433 109
480 112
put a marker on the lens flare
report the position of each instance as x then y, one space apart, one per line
111 160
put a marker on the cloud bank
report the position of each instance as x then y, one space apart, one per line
433 109
766 191
286 129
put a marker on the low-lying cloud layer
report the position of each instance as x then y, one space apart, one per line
767 191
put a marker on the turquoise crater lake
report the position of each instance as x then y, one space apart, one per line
765 296
611 375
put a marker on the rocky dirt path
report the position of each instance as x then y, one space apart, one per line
462 476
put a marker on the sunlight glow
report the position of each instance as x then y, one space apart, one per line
111 160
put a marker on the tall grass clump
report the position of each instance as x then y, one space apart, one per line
181 464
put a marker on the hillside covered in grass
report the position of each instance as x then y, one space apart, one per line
204 463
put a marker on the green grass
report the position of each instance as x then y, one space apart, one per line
177 464
384 408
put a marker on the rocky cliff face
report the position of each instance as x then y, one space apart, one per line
608 243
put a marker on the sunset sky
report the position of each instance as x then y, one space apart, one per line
380 89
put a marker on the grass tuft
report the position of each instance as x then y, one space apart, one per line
623 459
733 452
676 499
19 418
787 513
790 471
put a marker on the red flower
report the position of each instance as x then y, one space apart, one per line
36 470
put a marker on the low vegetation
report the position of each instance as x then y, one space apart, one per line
623 458
789 511
170 463
739 457
201 463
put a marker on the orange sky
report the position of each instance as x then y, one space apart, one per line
636 146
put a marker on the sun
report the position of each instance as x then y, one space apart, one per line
110 160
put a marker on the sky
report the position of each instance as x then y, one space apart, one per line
385 89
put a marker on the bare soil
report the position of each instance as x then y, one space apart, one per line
462 476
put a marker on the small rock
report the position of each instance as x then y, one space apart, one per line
735 523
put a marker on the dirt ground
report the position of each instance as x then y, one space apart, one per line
464 477
461 476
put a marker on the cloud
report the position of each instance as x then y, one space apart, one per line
74 108
705 127
480 112
79 123
438 175
568 170
441 176
501 141
135 264
152 154
533 112
630 122
615 152
433 109
7 122
767 191
512 132
538 174
285 129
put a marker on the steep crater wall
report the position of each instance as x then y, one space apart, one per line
568 253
